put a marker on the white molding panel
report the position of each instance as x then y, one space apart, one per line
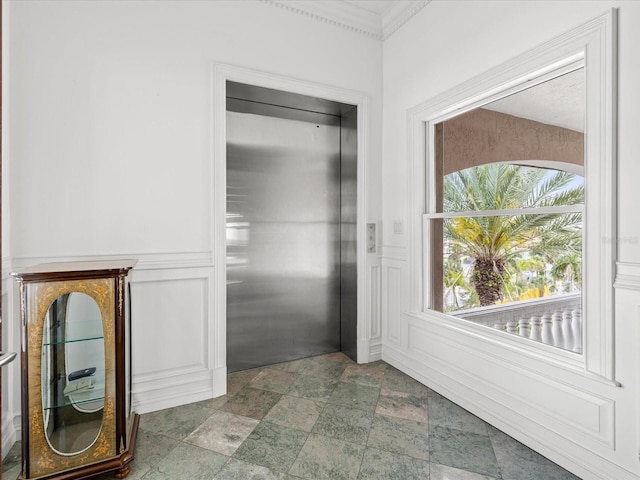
392 302
554 405
374 334
375 319
171 333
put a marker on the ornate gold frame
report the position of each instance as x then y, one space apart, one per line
40 297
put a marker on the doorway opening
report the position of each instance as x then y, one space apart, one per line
291 216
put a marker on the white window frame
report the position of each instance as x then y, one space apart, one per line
592 44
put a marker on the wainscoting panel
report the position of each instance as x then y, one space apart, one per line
169 325
374 316
391 302
172 336
544 401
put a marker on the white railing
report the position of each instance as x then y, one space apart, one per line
562 329
554 320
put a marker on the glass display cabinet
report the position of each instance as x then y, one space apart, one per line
76 370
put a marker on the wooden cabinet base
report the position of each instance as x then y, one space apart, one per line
121 465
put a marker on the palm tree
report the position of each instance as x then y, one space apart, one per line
455 281
495 240
568 269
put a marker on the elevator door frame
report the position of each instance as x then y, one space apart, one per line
223 73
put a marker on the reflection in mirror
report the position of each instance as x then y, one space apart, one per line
73 373
509 183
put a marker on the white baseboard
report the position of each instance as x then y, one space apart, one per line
171 389
375 352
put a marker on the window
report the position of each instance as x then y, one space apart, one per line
506 223
590 49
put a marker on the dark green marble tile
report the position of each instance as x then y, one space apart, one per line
238 380
379 364
11 472
336 357
273 380
397 381
215 403
187 461
238 470
177 422
519 462
445 413
222 432
402 405
325 367
251 402
363 375
443 472
272 446
296 366
398 435
378 464
314 388
294 412
355 396
12 462
324 458
344 423
463 450
151 449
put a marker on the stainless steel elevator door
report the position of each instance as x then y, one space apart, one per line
283 237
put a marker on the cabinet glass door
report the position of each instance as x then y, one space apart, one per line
73 373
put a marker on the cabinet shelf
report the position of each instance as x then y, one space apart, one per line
71 340
79 402
76 398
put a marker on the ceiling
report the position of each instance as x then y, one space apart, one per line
559 102
374 18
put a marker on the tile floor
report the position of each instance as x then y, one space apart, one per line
325 418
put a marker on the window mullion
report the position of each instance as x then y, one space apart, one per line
510 211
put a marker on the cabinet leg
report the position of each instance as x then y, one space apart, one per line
123 472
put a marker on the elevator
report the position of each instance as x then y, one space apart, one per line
290 226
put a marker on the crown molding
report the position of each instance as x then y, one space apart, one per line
400 13
350 17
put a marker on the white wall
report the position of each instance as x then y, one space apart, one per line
110 143
589 426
